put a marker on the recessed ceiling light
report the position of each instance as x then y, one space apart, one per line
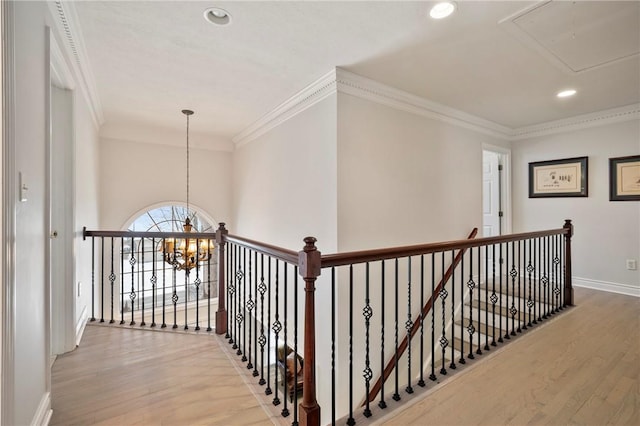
566 93
217 16
442 9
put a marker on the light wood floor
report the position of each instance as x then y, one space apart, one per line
121 376
581 368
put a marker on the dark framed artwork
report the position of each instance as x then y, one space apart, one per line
567 177
624 178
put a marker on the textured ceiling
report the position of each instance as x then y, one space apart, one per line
151 59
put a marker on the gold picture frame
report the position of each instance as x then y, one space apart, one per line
624 178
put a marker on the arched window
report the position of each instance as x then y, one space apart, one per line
153 282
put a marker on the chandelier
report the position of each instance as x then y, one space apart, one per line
185 253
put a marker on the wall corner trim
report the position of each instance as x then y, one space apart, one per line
68 28
44 411
625 289
81 325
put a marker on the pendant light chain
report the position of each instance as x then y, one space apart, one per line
188 165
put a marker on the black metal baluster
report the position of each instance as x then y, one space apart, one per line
251 304
112 280
197 283
174 287
486 298
494 296
295 345
519 330
367 312
536 298
186 294
229 275
421 382
432 376
243 307
479 350
93 278
209 255
500 273
443 338
142 323
256 373
529 271
350 419
285 410
462 284
132 295
333 345
262 340
471 284
154 282
396 394
453 307
164 287
240 295
267 390
408 324
514 274
121 281
277 326
382 404
563 267
545 277
102 280
506 285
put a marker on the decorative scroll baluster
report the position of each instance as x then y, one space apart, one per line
453 307
102 280
501 273
220 294
121 281
494 296
407 325
486 298
350 419
443 339
142 323
556 263
462 277
262 340
432 376
471 284
382 404
267 390
530 269
285 410
479 350
367 312
112 280
186 297
255 372
242 307
519 275
174 288
545 277
154 282
196 284
93 278
132 295
396 394
164 289
277 327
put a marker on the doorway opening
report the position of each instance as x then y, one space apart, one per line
496 197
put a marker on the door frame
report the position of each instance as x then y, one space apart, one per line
505 192
60 75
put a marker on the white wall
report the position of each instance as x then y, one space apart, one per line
284 182
135 175
606 232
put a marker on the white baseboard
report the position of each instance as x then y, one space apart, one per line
44 412
626 289
81 324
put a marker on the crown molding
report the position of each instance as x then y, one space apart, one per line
67 27
585 121
312 94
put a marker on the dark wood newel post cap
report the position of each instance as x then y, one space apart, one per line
309 259
220 233
568 225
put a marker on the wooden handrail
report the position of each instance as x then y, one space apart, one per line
354 257
141 234
416 324
283 254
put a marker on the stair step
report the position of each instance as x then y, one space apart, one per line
540 308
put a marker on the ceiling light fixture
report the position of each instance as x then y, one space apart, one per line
185 253
217 16
566 93
442 9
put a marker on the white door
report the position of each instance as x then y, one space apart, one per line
61 221
490 194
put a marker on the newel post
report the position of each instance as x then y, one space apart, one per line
568 287
309 264
221 313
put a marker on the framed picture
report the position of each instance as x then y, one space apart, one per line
559 178
624 178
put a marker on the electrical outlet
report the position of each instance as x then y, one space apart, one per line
79 288
632 265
